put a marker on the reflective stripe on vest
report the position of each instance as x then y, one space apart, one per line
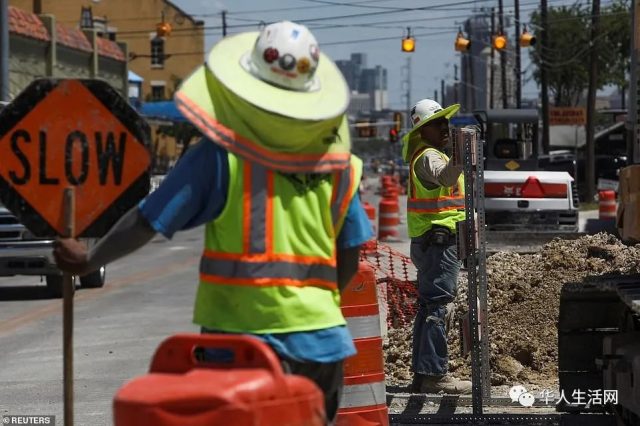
258 265
436 204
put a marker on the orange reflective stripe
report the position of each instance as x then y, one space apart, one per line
269 212
267 282
293 163
246 209
268 257
342 190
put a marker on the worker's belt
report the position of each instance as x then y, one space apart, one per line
437 235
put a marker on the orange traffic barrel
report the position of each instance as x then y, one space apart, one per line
388 219
239 380
370 246
606 205
364 395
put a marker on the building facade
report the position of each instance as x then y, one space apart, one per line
365 81
163 62
39 46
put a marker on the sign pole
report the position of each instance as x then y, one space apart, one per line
67 311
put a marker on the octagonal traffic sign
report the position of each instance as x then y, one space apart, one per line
80 134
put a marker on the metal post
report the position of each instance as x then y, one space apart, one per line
4 50
503 58
544 89
516 41
633 118
590 173
443 97
408 92
493 51
455 83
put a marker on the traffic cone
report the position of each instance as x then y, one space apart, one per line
363 399
607 205
388 219
371 245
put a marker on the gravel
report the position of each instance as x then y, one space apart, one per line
524 296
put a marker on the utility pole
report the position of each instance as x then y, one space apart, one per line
406 84
442 94
224 23
544 89
435 96
455 83
493 51
503 58
590 162
633 117
516 44
4 50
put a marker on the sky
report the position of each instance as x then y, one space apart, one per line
374 27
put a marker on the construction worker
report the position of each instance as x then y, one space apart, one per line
275 184
435 203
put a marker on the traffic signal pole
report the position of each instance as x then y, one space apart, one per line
544 89
633 118
590 162
4 50
503 58
516 5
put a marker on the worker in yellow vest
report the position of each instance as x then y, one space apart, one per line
275 185
435 203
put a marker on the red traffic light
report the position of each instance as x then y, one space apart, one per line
393 135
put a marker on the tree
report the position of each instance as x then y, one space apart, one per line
568 50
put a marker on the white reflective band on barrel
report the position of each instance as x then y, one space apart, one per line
363 395
361 327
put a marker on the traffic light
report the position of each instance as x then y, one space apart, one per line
397 121
499 41
408 42
163 29
527 39
462 44
393 135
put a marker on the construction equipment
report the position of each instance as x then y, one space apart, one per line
529 196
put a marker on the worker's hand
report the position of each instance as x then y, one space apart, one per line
71 256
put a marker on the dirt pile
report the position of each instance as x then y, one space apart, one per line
524 297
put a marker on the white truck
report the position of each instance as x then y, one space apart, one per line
530 197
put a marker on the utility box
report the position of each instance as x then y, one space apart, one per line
628 219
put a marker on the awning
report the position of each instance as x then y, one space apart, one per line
162 110
134 78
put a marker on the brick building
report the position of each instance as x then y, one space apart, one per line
163 62
42 47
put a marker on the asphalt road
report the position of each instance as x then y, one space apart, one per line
148 296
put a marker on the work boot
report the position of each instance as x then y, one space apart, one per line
416 384
445 384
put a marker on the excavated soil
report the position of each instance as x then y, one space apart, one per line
524 296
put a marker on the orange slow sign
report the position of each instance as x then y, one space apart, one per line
72 133
568 116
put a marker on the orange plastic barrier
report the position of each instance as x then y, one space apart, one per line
388 219
607 205
364 396
247 387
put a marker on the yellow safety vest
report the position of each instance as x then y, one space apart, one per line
442 206
269 263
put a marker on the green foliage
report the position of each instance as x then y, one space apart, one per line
567 55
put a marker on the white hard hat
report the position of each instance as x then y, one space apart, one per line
285 54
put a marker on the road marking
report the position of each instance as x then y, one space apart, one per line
55 306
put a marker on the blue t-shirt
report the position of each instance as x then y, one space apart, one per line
195 192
